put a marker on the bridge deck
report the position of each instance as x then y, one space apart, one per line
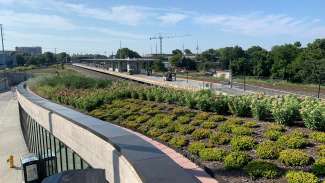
11 138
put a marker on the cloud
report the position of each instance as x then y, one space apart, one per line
129 15
172 18
118 33
257 24
32 20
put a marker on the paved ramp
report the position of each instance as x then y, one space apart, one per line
11 138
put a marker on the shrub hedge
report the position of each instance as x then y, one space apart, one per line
291 157
256 169
301 177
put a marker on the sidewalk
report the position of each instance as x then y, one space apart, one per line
11 139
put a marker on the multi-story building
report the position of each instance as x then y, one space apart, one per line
37 50
7 59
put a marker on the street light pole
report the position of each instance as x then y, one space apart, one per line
230 74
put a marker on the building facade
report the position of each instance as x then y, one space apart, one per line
7 59
37 50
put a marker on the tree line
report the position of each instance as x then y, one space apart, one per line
47 58
290 62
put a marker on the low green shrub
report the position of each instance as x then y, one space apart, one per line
257 169
216 118
161 120
294 140
200 133
180 111
196 122
195 147
242 143
321 151
184 129
219 138
226 127
165 137
142 118
285 110
229 124
292 157
319 166
318 136
183 119
277 127
241 130
131 124
212 154
240 105
272 134
201 116
154 132
209 124
236 160
301 177
144 128
268 150
171 128
251 124
178 141
313 113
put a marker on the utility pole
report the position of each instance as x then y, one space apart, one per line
55 56
120 48
230 74
3 46
183 49
197 48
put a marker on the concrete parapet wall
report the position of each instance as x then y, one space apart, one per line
125 157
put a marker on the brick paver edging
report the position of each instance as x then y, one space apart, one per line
182 161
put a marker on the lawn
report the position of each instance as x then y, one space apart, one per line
236 139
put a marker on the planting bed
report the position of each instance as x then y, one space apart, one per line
232 149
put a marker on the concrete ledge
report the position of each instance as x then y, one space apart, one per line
125 156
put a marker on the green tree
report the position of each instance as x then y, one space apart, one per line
48 58
158 66
230 54
175 60
210 55
283 56
177 51
187 52
20 59
260 62
126 53
62 57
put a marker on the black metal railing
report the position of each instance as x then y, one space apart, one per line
55 156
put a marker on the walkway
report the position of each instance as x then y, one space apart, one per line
11 138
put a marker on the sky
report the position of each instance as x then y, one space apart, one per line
100 26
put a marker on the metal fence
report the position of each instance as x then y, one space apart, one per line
55 156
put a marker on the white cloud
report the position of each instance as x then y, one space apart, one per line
129 15
118 34
16 19
257 24
172 18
